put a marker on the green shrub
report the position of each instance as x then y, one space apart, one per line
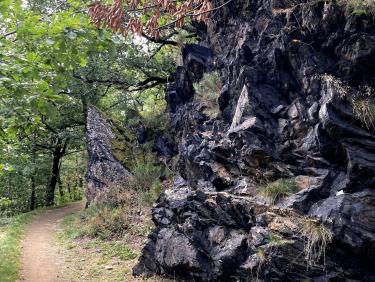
151 195
207 91
279 189
5 206
145 175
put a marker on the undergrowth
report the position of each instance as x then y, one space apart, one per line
275 191
97 259
104 222
10 238
125 212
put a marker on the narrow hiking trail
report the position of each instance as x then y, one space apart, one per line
42 258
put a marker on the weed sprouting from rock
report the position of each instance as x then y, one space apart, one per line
359 7
279 189
361 99
317 237
364 107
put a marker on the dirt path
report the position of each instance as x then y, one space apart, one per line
42 259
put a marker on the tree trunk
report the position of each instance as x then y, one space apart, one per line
50 196
69 190
32 196
61 190
57 153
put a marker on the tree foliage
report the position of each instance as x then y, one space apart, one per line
54 63
150 16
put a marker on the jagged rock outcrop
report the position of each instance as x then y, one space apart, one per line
104 170
291 73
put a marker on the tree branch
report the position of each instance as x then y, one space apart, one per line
160 40
149 82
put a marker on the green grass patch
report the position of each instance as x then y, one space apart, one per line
70 230
10 250
74 233
275 191
113 249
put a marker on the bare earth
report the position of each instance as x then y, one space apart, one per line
42 259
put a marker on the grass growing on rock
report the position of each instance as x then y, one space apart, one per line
277 240
364 108
10 250
317 237
359 6
275 191
361 100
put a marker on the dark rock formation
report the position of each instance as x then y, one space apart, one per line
104 170
164 146
289 72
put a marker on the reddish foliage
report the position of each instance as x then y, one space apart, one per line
125 15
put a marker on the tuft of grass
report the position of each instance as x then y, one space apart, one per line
277 240
278 189
317 237
72 229
89 254
207 91
262 257
359 7
364 107
150 196
361 99
11 235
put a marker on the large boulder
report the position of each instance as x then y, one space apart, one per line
105 171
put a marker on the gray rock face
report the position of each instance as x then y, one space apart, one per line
104 170
288 73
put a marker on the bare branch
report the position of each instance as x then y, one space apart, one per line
160 40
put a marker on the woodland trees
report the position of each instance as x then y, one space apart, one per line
55 62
